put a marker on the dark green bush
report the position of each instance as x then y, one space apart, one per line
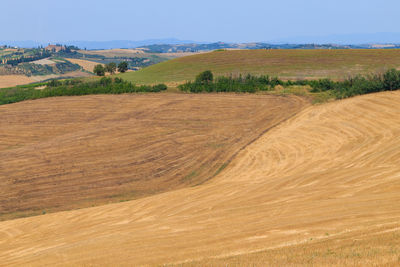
391 79
54 83
205 77
275 81
159 87
118 80
99 70
105 81
123 66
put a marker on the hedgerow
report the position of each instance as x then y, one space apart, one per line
358 85
75 88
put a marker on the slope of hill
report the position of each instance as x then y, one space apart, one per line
85 64
328 178
293 64
71 152
14 80
21 66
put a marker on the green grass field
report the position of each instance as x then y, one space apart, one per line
287 64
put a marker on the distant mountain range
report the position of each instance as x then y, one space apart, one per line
312 42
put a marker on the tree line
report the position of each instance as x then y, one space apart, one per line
205 82
23 59
75 87
357 85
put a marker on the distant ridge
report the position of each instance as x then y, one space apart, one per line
179 48
343 39
99 44
125 43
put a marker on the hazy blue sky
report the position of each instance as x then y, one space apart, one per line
201 20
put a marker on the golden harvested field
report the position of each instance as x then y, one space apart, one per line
287 64
322 187
377 246
85 64
69 152
113 52
14 80
45 61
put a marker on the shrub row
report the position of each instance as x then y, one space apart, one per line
248 84
358 85
74 88
205 82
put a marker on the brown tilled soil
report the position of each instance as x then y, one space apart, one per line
70 152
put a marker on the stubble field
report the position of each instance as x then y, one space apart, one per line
72 152
322 187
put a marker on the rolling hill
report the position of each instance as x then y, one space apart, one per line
289 64
74 152
322 187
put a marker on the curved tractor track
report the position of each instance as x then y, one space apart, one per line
329 171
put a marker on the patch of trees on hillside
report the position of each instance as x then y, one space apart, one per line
24 59
111 68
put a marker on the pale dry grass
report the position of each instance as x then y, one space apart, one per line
182 54
44 61
14 80
379 246
85 64
135 53
330 174
114 52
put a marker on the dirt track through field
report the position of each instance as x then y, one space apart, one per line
331 170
